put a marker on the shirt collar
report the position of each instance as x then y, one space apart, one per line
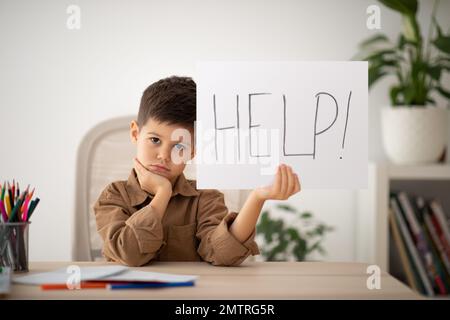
137 195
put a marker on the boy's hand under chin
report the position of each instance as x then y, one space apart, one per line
151 182
285 185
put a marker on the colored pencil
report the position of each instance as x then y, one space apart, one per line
16 206
14 213
3 211
3 191
18 189
7 205
83 285
31 209
27 201
9 194
13 190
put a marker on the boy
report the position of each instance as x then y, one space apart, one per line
158 214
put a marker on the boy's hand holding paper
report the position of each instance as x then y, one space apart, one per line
285 185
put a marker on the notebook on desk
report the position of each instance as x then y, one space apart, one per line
5 280
111 275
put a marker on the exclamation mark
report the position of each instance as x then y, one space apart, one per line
346 121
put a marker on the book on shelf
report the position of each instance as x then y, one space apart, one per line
411 274
437 248
441 224
415 261
421 237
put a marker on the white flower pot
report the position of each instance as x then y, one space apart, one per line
414 135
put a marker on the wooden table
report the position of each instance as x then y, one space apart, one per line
251 280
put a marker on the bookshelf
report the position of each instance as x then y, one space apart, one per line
375 243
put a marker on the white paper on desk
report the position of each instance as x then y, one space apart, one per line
64 275
146 276
101 273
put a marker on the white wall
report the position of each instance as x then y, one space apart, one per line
57 83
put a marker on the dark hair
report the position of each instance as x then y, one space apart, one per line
171 100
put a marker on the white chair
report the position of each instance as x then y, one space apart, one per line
105 155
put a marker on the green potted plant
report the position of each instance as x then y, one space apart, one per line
414 126
282 241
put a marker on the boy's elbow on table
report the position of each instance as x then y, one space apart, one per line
129 253
130 244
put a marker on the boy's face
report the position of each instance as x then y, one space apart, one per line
163 148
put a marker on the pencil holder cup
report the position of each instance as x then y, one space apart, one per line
14 245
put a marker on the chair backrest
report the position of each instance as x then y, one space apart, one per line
105 155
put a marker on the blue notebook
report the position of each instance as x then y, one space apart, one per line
147 285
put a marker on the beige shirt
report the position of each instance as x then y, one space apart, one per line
195 226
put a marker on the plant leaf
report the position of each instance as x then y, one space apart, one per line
431 100
286 207
443 60
283 241
306 215
313 247
442 43
321 250
434 72
380 53
411 29
293 234
299 250
443 92
394 95
379 37
438 28
375 74
409 94
402 6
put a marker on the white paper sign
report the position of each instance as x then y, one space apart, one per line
251 116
